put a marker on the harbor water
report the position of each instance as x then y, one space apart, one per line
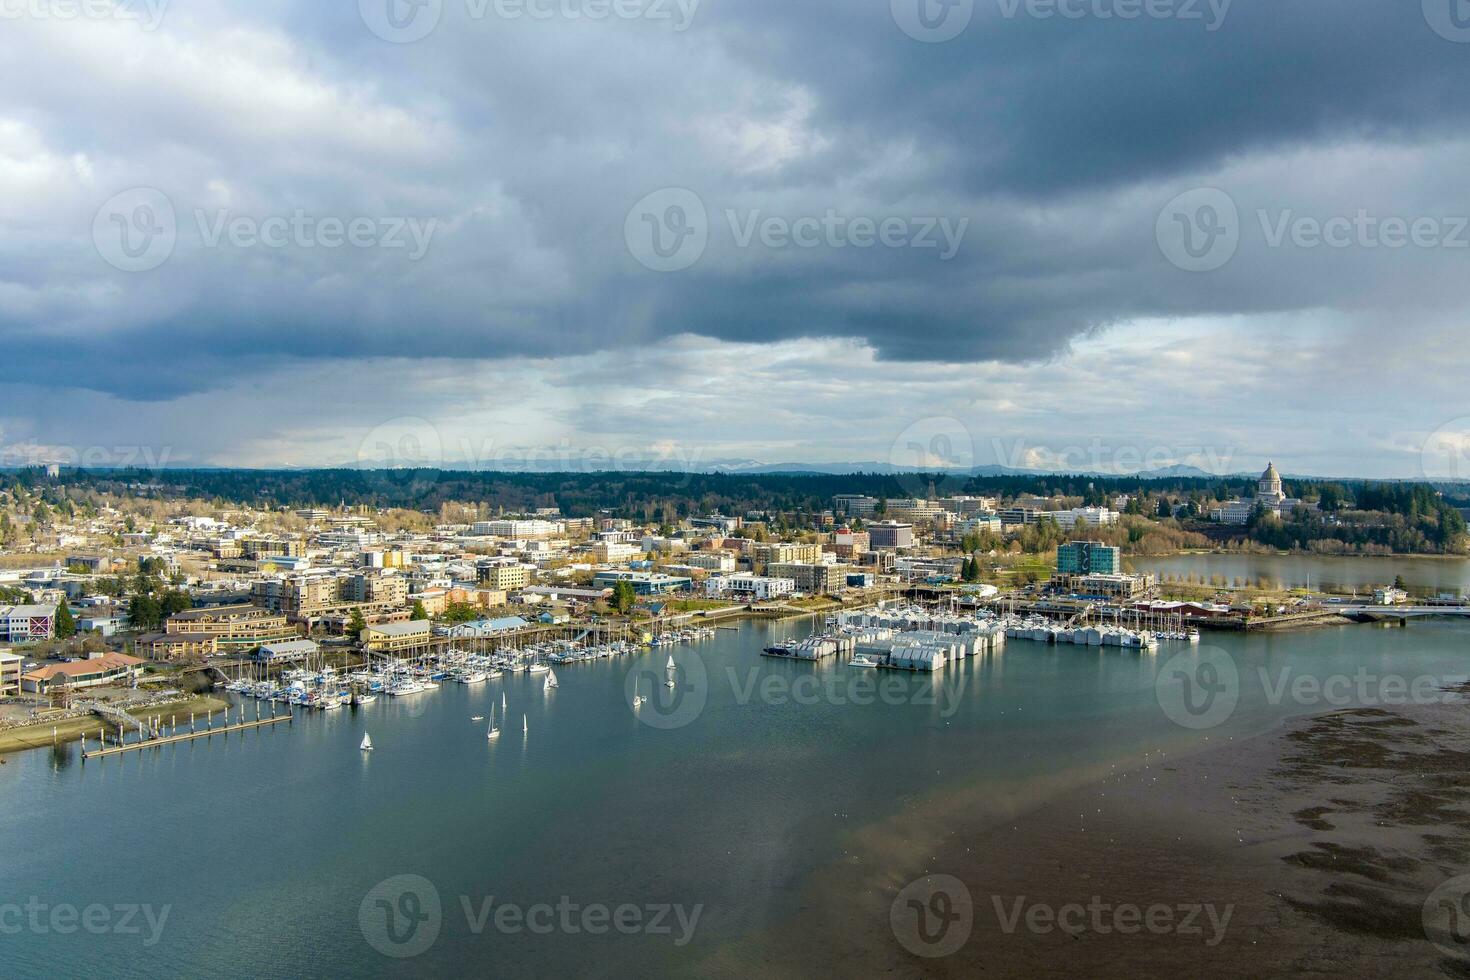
289 851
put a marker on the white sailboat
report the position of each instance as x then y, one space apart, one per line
502 702
672 666
525 725
493 732
367 742
638 699
550 681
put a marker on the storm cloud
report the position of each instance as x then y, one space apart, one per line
810 167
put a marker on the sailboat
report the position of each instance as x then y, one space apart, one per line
493 732
525 726
502 702
550 681
637 698
672 666
367 742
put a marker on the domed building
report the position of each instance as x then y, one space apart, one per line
1268 488
1269 494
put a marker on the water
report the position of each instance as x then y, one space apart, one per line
267 846
1423 576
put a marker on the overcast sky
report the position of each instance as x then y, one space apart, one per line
1090 234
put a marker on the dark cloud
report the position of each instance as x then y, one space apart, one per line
1058 140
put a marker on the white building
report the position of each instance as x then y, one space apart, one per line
713 561
759 587
612 552
1087 516
533 528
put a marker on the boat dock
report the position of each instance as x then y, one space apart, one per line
186 737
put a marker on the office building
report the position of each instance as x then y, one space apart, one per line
1088 558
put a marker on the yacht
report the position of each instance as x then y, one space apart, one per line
471 677
861 660
551 681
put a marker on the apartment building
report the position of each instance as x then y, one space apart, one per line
504 576
763 555
810 578
612 552
233 627
262 549
178 646
711 561
532 528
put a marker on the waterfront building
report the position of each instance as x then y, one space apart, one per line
1114 587
101 668
10 668
240 626
759 587
396 637
287 650
177 646
1088 558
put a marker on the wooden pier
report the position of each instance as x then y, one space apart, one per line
187 736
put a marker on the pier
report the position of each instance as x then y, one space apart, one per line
187 736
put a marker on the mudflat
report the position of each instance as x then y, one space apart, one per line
1329 847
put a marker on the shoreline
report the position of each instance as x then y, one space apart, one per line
38 736
1314 845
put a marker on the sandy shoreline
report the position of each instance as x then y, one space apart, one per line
1306 852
